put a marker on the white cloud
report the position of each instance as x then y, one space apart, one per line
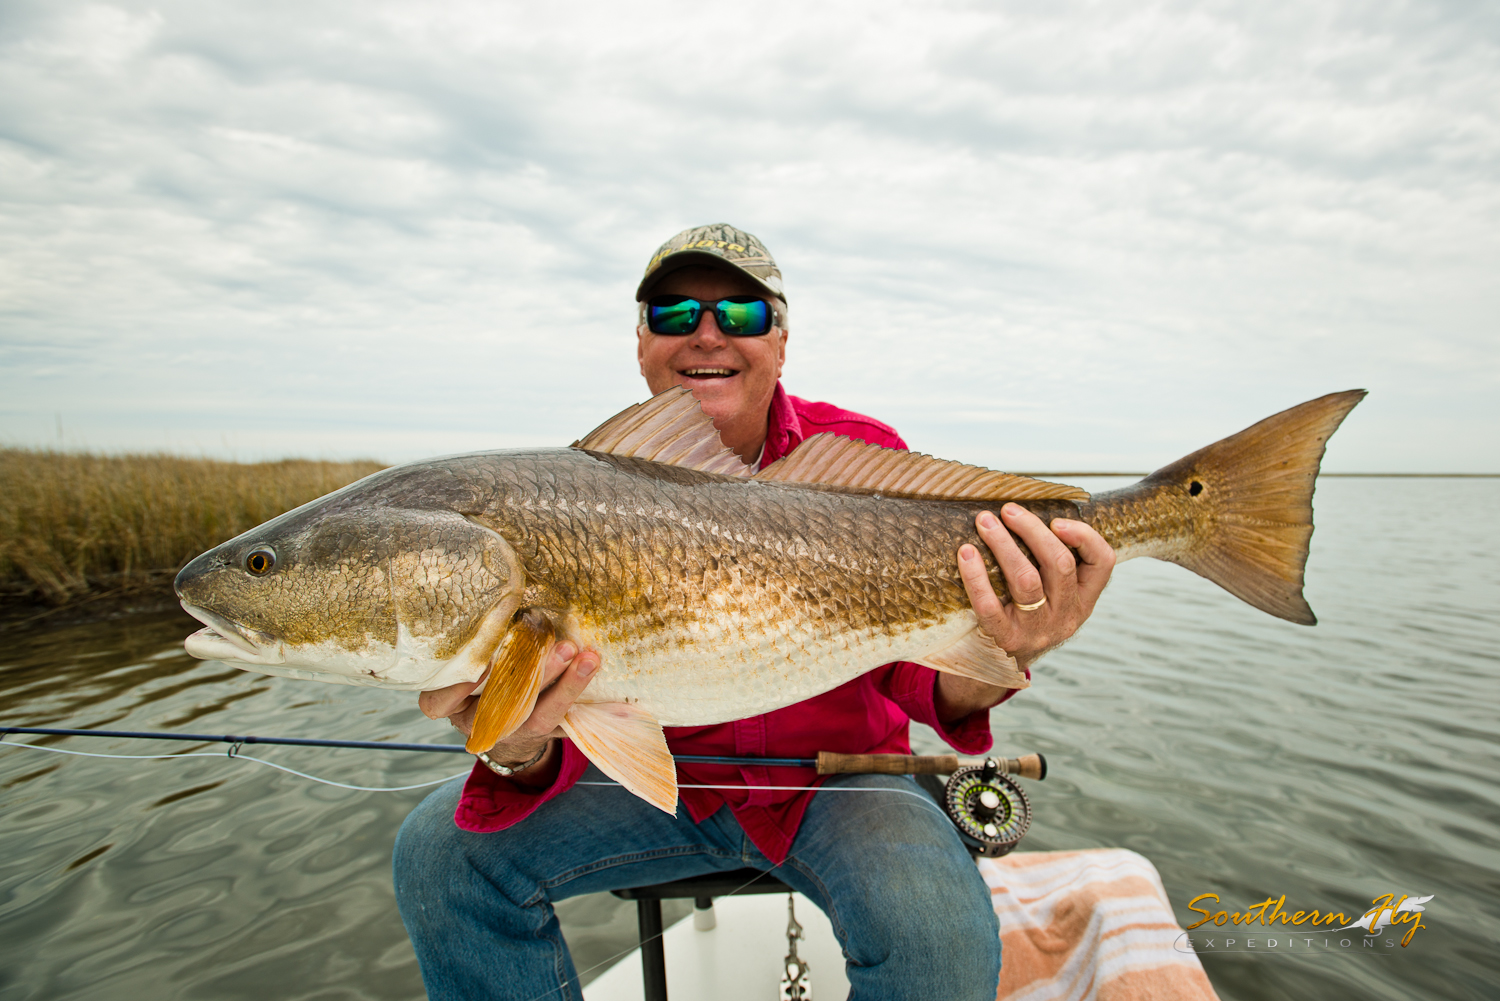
1045 235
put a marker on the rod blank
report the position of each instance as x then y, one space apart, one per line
1030 766
206 738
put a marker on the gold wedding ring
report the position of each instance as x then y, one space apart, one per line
1033 606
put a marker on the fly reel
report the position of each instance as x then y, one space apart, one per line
991 812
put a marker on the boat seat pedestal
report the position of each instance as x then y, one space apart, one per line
702 889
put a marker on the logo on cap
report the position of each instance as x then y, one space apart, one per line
718 245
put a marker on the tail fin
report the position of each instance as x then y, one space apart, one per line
1250 500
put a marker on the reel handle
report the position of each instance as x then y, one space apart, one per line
1028 766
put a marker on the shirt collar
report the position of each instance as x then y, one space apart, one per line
783 428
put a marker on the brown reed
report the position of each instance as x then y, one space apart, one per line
72 523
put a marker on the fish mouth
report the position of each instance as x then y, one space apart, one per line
226 640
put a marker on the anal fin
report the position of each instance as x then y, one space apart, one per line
976 656
628 745
514 681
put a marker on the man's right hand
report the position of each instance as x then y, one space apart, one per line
566 675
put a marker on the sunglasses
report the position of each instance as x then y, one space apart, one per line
737 316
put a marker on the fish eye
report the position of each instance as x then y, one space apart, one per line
260 561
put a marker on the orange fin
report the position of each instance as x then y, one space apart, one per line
975 655
629 746
1263 481
514 681
670 427
1253 491
831 462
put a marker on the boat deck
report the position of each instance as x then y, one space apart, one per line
739 959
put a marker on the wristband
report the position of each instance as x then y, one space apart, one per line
509 770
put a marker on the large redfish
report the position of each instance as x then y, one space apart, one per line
710 593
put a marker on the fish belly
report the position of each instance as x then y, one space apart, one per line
724 673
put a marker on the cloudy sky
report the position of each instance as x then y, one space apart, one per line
1042 235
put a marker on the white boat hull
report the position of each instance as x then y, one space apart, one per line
739 959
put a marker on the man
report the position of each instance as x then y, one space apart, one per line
535 823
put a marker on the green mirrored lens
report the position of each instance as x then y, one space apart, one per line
666 317
743 316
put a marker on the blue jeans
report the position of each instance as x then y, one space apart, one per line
910 910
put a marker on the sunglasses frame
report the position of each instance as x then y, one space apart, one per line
707 305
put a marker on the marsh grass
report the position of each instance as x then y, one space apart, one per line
73 524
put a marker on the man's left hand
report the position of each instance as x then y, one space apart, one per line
1070 587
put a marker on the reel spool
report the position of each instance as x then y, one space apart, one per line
989 810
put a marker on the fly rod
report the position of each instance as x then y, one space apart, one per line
205 738
1029 766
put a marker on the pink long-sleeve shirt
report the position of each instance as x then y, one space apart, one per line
869 715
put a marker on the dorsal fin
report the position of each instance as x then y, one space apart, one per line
670 427
832 462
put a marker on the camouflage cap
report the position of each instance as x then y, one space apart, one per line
721 246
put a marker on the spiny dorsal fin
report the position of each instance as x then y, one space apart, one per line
832 462
670 427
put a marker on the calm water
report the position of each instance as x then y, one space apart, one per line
1244 756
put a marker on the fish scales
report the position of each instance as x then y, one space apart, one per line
795 588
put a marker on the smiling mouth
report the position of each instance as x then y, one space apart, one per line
704 372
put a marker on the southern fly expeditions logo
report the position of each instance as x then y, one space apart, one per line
1269 926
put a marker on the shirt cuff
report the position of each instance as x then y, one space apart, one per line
914 689
493 802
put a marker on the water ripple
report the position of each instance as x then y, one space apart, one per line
1244 756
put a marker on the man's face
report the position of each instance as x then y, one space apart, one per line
732 376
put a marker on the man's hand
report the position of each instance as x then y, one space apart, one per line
566 675
1070 588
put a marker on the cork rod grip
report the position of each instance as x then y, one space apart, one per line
832 763
1028 766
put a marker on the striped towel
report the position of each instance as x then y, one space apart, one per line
1089 926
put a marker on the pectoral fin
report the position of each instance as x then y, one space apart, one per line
628 745
974 655
514 681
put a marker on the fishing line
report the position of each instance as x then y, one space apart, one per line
365 745
236 755
232 754
229 738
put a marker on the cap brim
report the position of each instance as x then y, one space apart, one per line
699 258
